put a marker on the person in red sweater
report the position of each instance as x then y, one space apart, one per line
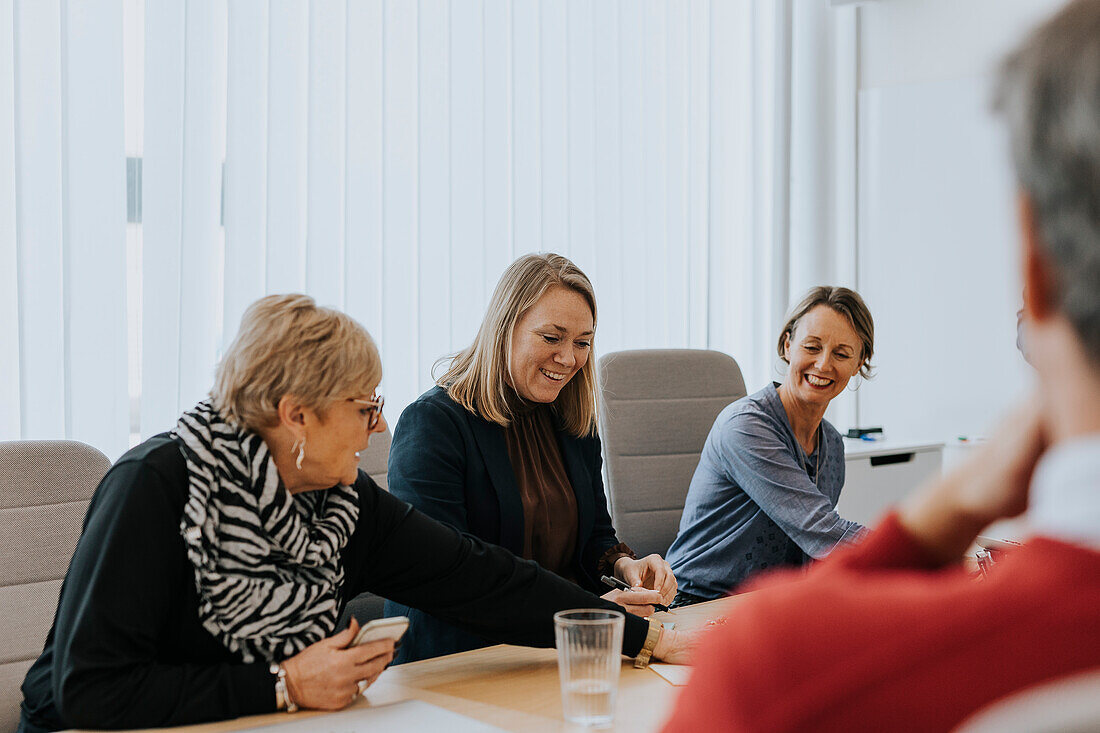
893 634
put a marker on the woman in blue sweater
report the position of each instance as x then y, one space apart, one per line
765 491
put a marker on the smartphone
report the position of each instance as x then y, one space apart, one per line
382 628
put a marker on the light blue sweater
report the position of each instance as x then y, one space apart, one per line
757 500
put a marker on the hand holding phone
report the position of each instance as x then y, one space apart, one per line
382 628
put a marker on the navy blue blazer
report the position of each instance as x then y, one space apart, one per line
453 465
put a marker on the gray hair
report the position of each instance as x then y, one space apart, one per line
1049 93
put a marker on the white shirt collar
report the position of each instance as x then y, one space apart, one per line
1065 493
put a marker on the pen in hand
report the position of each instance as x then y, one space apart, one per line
620 585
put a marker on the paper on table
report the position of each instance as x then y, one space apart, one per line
676 674
408 715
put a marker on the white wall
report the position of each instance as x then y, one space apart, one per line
910 41
937 244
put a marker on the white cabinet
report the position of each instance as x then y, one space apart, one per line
878 474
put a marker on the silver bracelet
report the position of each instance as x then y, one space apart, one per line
282 692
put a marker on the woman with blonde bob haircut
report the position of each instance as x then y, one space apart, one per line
289 345
504 447
216 558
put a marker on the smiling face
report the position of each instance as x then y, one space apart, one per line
334 441
550 344
823 353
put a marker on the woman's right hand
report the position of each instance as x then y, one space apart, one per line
638 601
326 675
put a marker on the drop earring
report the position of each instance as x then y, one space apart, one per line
301 444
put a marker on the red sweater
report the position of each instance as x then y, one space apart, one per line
877 638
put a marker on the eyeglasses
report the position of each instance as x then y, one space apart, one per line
375 406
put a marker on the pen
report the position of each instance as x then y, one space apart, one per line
620 585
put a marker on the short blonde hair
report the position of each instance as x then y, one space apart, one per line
478 376
288 345
847 303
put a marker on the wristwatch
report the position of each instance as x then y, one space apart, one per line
651 638
282 693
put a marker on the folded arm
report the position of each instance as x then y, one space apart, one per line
754 455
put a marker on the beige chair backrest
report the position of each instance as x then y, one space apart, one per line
45 487
1067 705
375 459
657 407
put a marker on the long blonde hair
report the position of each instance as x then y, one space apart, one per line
478 376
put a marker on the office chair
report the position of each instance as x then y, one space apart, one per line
45 487
656 408
1068 704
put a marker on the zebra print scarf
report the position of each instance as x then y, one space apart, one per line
267 564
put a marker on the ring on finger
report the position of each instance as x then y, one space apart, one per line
362 684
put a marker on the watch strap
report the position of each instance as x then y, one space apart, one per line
651 638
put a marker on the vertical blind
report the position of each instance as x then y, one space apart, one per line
390 158
62 223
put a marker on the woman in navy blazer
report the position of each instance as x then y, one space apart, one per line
505 448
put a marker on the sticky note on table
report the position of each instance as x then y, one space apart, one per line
676 674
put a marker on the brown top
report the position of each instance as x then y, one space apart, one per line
549 504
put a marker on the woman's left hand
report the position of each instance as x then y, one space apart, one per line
650 571
676 647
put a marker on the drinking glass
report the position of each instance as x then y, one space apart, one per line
589 645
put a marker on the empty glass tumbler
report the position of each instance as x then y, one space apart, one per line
589 645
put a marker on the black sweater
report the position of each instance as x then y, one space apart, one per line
127 649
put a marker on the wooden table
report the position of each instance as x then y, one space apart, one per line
510 687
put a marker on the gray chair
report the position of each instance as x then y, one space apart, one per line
375 462
656 408
45 487
1068 704
375 459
